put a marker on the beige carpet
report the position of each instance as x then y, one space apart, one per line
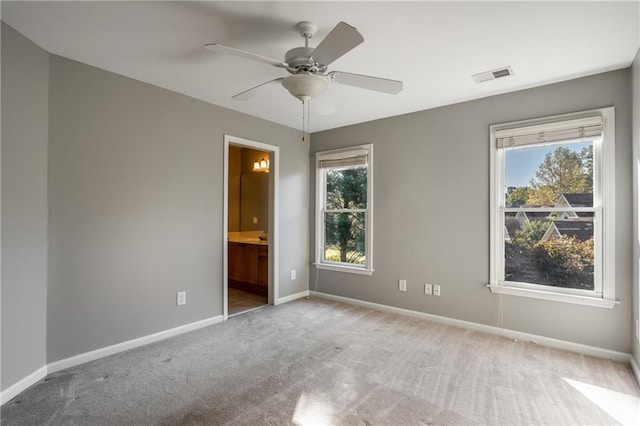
321 362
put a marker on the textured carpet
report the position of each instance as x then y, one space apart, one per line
321 362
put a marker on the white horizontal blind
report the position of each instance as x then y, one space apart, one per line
343 162
570 130
346 159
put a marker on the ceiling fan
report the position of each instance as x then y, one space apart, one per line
308 65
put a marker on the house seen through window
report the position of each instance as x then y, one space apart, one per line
343 215
552 211
555 247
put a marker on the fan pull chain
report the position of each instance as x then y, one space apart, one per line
302 121
306 109
308 118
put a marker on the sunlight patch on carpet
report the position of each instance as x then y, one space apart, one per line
312 410
624 408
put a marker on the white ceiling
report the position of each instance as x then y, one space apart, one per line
434 47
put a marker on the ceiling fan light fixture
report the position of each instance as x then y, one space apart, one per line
305 86
308 65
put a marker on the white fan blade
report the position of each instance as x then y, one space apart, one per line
378 84
250 93
244 54
323 104
342 38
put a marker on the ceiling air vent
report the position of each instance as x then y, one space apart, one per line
492 75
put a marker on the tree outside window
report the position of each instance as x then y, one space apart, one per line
552 208
554 248
344 232
343 228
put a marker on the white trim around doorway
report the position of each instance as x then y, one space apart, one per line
273 229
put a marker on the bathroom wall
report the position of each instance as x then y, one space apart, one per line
235 170
248 191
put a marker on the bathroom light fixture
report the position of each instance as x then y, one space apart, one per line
261 166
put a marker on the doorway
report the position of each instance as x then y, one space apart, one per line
250 255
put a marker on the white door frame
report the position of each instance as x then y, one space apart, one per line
274 181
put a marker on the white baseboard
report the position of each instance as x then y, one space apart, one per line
22 385
53 367
512 334
293 297
636 370
130 344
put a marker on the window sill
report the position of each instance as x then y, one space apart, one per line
339 268
556 297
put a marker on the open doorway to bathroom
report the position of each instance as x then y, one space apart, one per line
250 225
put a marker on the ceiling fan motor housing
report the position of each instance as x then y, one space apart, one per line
299 60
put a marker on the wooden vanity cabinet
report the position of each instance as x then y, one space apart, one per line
249 267
236 264
263 267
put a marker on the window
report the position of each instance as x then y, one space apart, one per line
343 212
552 208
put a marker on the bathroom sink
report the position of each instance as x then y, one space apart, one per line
248 240
248 237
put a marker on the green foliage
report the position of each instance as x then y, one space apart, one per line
543 196
346 189
519 249
566 260
331 253
530 233
517 196
345 233
563 262
562 171
587 162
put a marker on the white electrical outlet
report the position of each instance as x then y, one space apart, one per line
436 290
181 298
428 289
402 285
255 220
293 274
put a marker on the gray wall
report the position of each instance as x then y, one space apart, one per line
635 72
135 198
431 212
25 92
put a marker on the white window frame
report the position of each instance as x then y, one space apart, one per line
320 262
603 294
